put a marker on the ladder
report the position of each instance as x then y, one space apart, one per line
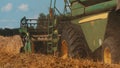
52 31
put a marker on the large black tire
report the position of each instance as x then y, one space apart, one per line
110 51
73 42
111 45
97 54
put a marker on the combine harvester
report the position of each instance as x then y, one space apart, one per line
92 31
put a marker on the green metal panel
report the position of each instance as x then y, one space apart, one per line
77 6
78 12
100 7
72 0
82 0
76 0
94 32
79 9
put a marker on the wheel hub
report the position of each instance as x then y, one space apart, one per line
107 56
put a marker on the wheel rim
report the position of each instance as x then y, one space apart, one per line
64 49
107 56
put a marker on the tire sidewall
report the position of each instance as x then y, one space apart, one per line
110 43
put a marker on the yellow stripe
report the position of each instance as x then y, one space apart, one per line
94 17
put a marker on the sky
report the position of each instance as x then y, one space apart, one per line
11 11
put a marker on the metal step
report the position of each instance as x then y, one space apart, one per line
40 38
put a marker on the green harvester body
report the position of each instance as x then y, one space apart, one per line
92 17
